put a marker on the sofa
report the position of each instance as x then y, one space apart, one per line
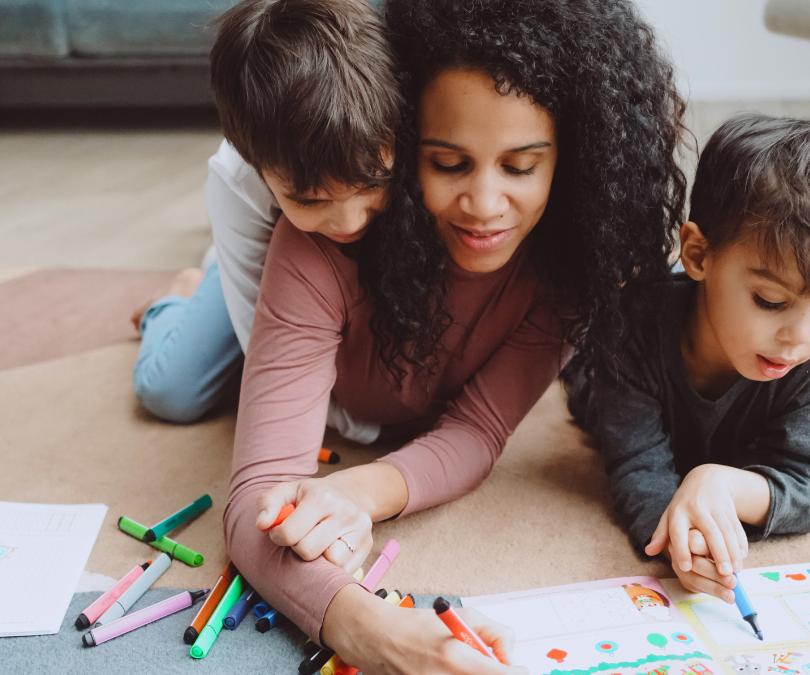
106 53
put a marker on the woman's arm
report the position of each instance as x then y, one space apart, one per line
461 450
288 377
289 372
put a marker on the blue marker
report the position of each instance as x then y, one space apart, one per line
268 620
261 608
746 608
235 615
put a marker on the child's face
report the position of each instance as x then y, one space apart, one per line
758 315
486 162
338 212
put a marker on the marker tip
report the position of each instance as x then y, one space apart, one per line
759 635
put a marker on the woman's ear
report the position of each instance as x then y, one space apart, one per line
693 251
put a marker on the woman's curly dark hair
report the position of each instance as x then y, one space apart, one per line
617 196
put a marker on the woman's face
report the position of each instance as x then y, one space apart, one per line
485 166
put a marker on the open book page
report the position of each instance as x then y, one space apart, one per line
781 597
626 626
43 550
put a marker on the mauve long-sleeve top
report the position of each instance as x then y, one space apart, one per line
311 339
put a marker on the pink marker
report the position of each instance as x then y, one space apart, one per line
125 624
381 565
88 617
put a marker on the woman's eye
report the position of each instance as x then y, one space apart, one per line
768 305
518 172
308 203
455 168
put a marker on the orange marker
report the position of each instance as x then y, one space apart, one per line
195 627
459 629
328 457
282 516
346 669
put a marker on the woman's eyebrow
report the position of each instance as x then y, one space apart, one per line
436 143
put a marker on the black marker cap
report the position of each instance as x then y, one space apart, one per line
145 565
441 605
310 648
263 625
334 458
314 663
382 593
190 636
196 595
149 536
88 641
82 622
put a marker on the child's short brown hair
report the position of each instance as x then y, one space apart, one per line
307 89
753 178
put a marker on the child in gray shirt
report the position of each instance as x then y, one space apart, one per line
706 432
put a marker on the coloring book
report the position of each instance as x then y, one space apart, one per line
643 626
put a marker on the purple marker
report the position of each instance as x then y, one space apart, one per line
141 618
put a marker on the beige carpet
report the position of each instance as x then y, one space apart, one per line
71 431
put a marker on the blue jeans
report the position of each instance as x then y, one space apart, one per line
189 352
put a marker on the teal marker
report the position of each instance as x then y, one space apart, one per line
211 630
176 519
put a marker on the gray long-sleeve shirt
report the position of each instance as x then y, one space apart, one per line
654 428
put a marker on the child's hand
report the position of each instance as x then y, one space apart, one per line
704 502
703 577
325 522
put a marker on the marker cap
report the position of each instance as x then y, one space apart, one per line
204 642
266 622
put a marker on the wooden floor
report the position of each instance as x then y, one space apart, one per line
134 198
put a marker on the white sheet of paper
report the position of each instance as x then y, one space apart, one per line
43 551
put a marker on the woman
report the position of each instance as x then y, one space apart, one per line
540 181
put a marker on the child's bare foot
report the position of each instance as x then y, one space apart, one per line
184 284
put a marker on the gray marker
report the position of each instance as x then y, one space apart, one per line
134 592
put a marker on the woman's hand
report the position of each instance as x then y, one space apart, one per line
326 522
333 515
381 639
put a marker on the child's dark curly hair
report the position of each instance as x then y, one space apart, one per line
617 196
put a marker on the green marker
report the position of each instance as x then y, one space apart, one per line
175 550
211 630
176 519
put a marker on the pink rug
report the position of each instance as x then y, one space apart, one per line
54 313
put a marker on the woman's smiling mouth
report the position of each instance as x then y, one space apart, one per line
482 242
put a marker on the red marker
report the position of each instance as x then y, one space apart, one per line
282 516
458 628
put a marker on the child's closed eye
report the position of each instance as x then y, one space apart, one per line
764 304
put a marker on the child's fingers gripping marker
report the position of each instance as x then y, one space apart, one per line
282 516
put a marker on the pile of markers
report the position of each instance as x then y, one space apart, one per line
109 612
231 598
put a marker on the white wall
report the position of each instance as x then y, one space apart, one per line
723 51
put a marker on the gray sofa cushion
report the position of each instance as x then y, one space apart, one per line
32 28
142 27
